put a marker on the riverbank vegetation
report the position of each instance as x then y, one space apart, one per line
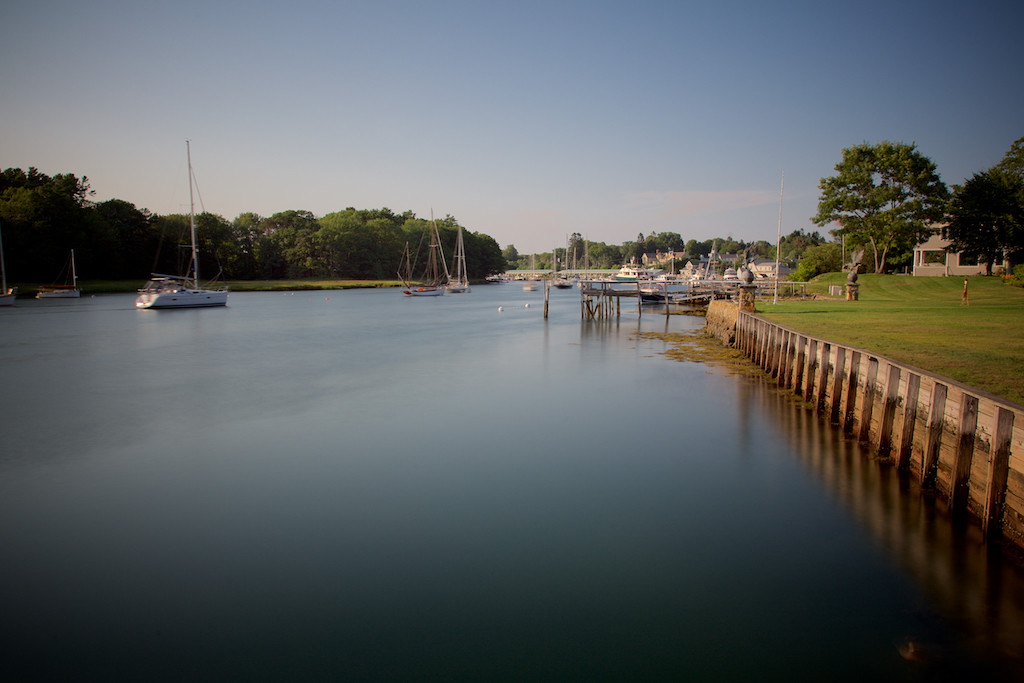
923 322
44 217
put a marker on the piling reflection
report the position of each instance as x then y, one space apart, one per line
979 586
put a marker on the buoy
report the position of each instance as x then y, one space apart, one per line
500 309
527 305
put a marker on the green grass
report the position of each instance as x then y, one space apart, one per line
922 322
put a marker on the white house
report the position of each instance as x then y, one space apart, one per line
765 268
931 258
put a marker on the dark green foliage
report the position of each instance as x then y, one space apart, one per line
43 218
986 213
885 196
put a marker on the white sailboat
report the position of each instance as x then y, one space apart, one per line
173 291
433 284
460 283
6 295
69 290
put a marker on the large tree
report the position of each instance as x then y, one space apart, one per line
986 213
883 196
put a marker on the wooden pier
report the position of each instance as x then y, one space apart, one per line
603 298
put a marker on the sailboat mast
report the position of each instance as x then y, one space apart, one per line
3 268
778 244
192 216
74 275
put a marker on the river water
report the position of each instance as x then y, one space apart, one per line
362 486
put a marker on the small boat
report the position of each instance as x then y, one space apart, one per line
651 295
460 283
68 290
561 283
432 285
174 291
631 272
6 295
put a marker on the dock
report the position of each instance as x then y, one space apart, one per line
601 299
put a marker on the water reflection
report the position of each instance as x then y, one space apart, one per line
979 586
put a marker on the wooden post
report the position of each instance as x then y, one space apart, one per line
798 377
892 387
998 472
851 392
812 366
837 385
870 389
958 487
909 421
936 416
547 288
826 362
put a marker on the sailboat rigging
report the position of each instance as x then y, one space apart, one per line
6 295
432 284
175 291
68 290
460 283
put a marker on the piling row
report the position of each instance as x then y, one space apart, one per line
964 445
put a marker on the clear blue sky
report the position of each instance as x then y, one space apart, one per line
525 120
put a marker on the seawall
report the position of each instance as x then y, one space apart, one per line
965 445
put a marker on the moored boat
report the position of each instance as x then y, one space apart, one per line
173 291
6 295
460 283
69 290
631 272
432 285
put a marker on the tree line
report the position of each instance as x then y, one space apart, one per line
883 200
599 255
42 218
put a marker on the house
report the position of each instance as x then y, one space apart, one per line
765 268
931 258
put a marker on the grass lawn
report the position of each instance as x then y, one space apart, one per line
922 322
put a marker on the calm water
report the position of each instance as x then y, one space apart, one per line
364 486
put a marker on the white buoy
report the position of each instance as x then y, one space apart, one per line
500 309
527 305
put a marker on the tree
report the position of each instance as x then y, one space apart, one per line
986 217
1013 162
129 239
823 258
882 195
511 256
43 219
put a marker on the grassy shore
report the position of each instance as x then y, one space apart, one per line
923 322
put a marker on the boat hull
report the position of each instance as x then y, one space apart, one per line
58 294
186 298
424 291
6 299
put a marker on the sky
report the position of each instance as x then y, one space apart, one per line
527 121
